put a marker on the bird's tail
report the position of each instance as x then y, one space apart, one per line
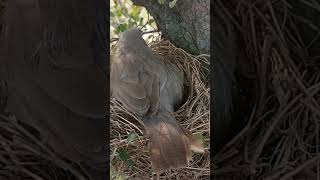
170 144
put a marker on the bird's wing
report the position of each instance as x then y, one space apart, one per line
135 84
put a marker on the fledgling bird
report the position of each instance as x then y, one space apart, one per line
152 89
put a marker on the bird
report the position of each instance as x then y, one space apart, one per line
152 89
53 56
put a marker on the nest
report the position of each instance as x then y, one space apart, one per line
281 138
24 155
129 156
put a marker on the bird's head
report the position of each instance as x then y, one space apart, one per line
133 35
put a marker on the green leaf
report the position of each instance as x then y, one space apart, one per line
161 1
151 21
135 11
115 31
130 22
125 157
119 178
115 3
140 21
172 3
118 12
131 137
199 137
122 27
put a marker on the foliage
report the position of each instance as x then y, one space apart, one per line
125 15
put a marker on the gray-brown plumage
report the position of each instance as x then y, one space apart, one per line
152 89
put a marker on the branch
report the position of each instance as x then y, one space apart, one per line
143 33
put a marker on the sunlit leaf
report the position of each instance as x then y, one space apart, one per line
115 31
172 3
151 21
119 178
115 3
199 137
118 12
161 1
131 137
135 11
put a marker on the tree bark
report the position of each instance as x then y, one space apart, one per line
187 24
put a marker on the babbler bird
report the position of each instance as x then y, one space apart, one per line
53 60
152 89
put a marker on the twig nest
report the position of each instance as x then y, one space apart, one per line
129 154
